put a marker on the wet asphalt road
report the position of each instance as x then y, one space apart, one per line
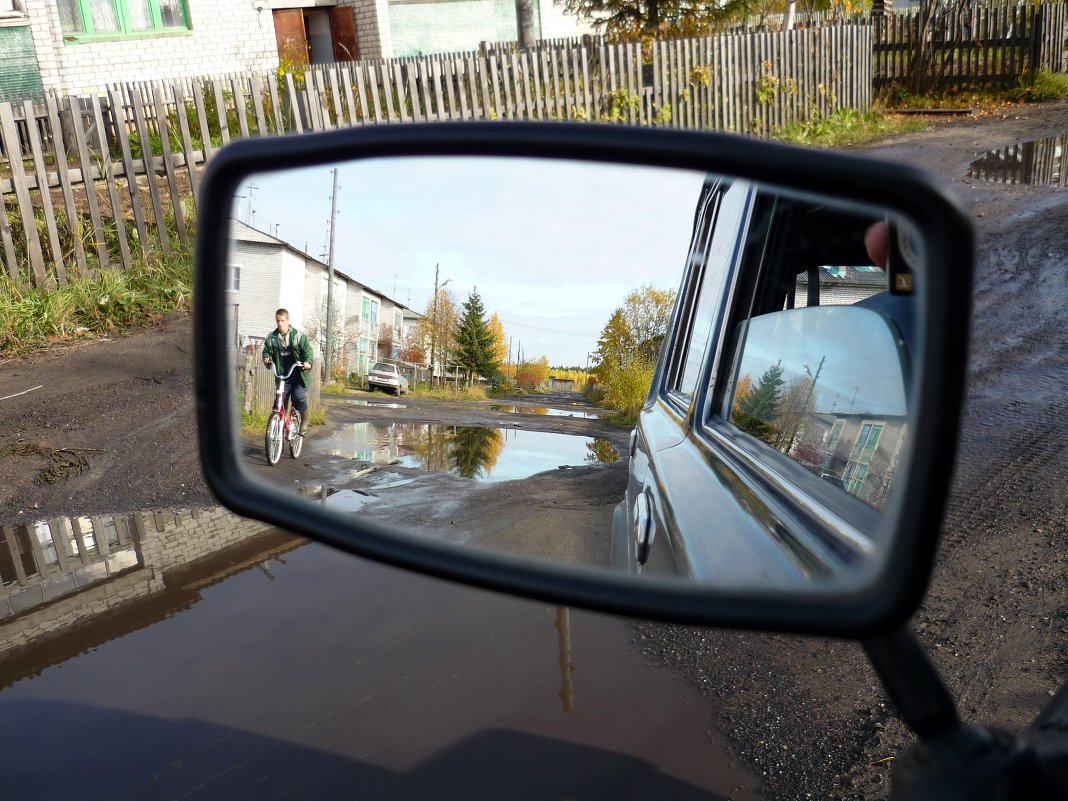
318 675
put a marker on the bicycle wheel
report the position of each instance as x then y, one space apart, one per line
272 438
296 441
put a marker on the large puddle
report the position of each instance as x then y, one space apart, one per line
231 660
545 410
485 454
1042 162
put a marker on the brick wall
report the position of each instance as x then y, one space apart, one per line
372 27
226 36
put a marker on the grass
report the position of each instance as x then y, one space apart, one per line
1034 88
848 127
335 388
1041 86
33 319
449 393
253 424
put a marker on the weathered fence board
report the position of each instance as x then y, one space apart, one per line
740 82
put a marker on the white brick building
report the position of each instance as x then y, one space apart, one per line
267 273
85 46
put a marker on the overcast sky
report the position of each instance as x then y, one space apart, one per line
552 246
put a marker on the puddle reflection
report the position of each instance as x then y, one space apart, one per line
545 410
1043 162
70 584
484 454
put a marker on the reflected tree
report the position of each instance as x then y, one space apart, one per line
757 411
601 451
475 450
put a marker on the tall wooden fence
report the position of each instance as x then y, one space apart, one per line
122 168
968 45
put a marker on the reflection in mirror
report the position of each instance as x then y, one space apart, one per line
827 387
470 340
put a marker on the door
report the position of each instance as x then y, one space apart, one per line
343 34
290 34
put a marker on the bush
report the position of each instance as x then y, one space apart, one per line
626 389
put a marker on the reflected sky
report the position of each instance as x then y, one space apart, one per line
552 246
862 369
484 454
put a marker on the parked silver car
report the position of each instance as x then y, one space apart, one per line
387 377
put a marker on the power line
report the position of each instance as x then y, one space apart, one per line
549 330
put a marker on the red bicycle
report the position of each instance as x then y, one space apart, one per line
283 425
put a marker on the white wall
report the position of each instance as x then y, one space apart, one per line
291 294
226 36
260 287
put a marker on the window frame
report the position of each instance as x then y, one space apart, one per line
123 19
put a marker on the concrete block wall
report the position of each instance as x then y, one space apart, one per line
226 36
373 33
169 540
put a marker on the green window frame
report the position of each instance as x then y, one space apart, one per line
122 19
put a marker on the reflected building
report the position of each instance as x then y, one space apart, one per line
861 452
70 584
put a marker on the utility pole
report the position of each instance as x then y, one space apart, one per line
330 284
434 322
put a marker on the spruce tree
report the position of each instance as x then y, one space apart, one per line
474 340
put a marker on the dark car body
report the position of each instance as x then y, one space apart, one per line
705 499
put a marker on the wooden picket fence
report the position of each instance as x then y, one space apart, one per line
1042 163
969 46
122 169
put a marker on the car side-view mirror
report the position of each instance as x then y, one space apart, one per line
686 377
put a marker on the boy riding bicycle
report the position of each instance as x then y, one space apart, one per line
284 347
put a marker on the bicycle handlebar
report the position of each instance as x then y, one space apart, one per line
287 375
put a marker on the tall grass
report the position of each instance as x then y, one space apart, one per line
847 127
155 285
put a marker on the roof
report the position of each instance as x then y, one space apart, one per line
831 275
242 232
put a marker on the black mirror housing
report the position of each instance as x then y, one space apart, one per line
937 391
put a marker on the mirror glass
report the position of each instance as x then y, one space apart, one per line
826 385
470 342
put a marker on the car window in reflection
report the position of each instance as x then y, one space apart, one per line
821 370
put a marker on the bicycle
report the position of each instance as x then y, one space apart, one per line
282 425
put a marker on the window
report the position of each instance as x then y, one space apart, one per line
863 451
366 308
235 277
121 17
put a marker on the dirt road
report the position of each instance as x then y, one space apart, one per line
806 714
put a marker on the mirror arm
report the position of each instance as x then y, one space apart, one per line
913 683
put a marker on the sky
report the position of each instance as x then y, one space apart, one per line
552 246
861 371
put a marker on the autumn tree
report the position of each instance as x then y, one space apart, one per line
385 341
437 327
635 19
533 374
629 345
647 314
474 341
796 413
500 341
413 349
